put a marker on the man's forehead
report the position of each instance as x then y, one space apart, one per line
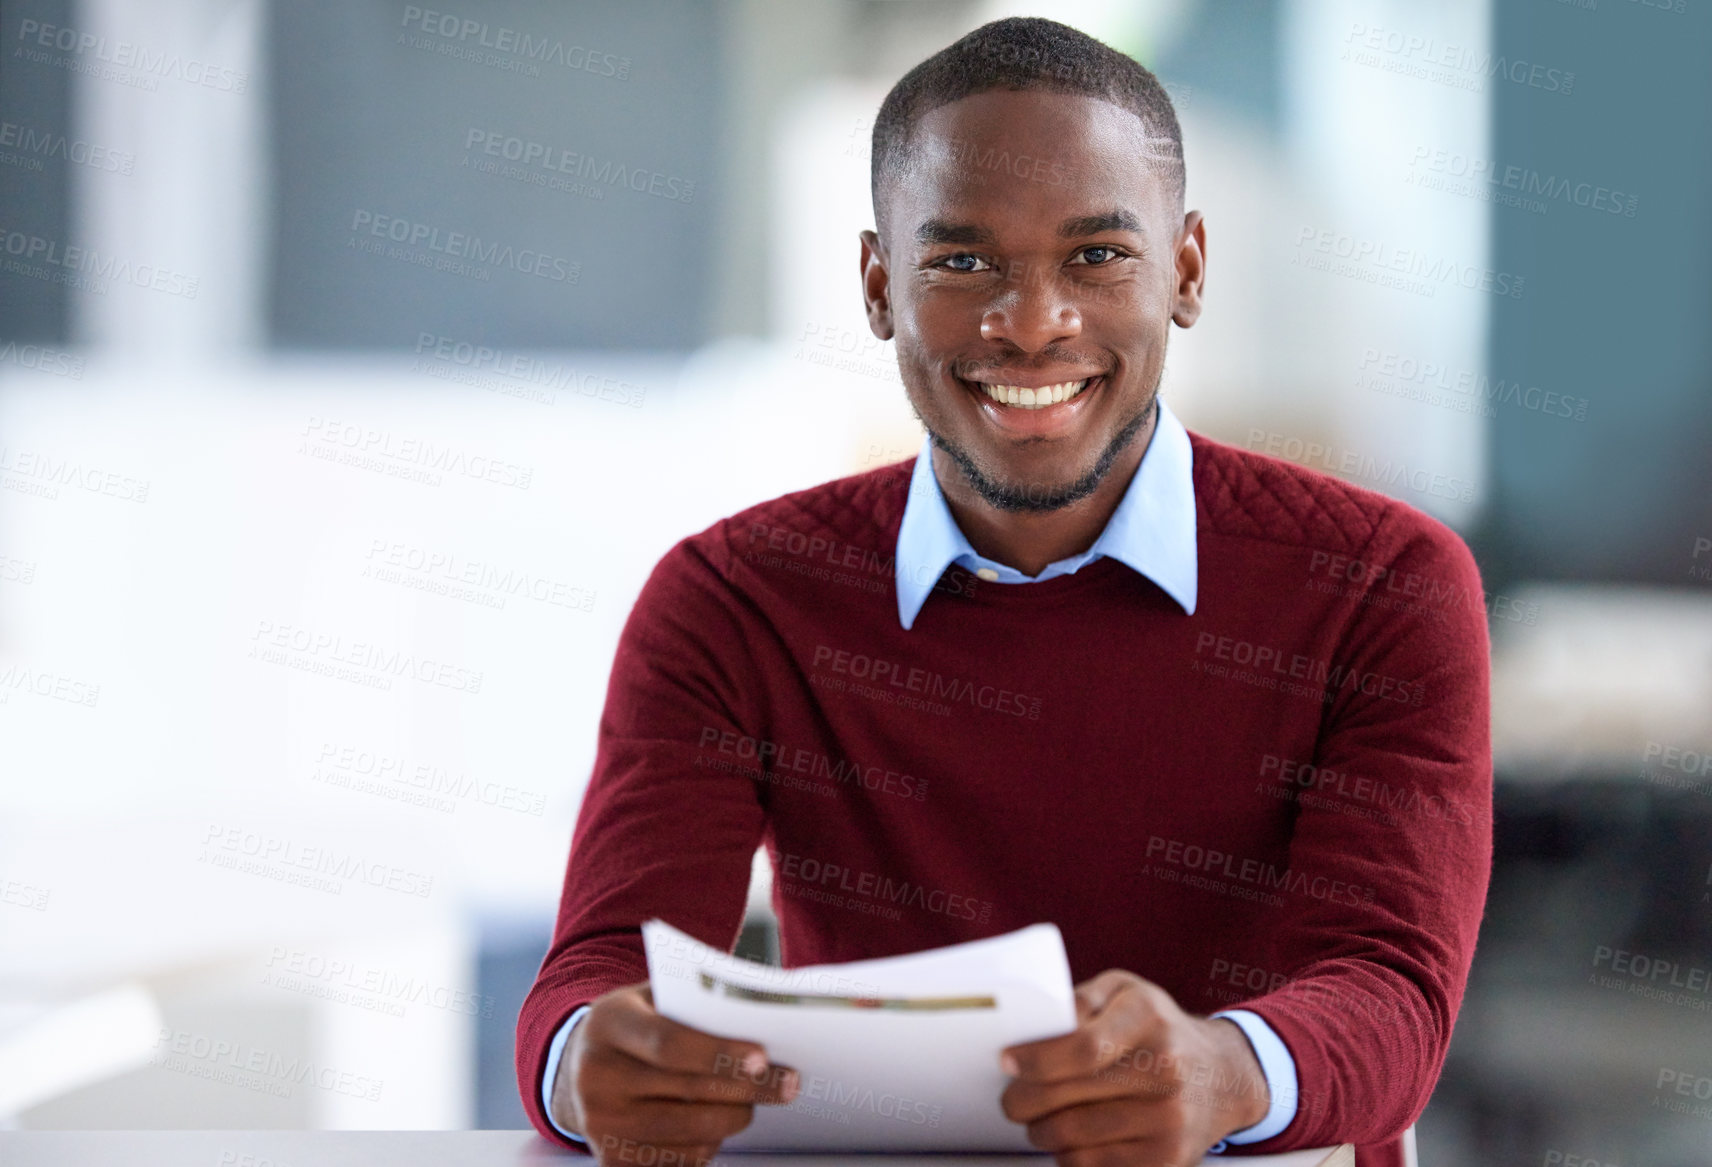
1003 164
1045 121
1068 143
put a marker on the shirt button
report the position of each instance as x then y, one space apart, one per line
987 573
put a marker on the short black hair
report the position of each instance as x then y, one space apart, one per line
1023 53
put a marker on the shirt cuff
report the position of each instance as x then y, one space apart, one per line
557 1051
1280 1071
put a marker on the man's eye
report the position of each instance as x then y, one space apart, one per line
956 262
1108 254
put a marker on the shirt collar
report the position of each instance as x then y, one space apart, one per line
1152 531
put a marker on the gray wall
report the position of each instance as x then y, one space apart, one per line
1618 310
373 110
35 105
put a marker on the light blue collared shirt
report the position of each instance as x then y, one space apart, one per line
1152 531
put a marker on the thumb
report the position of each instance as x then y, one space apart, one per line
1093 994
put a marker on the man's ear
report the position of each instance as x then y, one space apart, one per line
1191 270
876 286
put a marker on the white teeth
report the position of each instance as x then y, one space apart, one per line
1034 398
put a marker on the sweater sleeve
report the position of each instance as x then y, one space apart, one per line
1392 847
660 832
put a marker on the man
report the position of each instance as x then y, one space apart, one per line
1222 720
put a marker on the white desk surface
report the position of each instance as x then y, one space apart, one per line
444 1149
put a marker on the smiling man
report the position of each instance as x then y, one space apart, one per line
1224 721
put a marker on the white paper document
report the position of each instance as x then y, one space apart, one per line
895 1054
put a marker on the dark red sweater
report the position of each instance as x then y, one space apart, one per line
1280 803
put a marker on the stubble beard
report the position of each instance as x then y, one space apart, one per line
1038 499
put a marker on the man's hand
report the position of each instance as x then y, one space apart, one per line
643 1089
1139 1082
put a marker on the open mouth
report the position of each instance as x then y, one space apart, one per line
1033 397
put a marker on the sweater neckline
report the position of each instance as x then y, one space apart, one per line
973 589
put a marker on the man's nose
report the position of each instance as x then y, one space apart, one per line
1032 312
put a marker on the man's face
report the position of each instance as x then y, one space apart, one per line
1032 245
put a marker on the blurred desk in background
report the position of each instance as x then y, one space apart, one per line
437 1149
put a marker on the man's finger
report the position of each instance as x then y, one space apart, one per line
1093 993
1025 1101
1116 1155
668 1045
655 1122
779 1084
1092 1046
1098 1124
1076 1055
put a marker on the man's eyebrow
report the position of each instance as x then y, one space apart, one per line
1118 220
935 231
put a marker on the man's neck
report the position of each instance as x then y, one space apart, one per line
1029 540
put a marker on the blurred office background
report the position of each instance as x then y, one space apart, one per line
320 519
